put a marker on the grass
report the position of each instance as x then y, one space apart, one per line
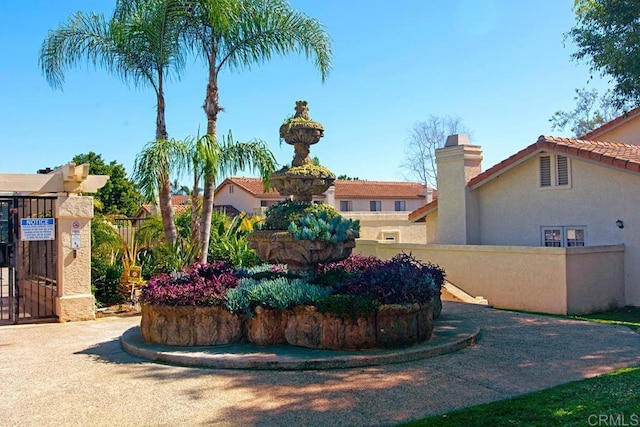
611 399
628 316
578 403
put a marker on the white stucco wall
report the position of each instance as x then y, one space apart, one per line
388 205
512 210
239 199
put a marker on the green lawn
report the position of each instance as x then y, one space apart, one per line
612 399
628 316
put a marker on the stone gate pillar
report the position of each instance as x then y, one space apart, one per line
73 215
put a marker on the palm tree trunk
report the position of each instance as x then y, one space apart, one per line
164 186
211 108
195 209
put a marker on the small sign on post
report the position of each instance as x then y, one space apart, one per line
33 229
75 235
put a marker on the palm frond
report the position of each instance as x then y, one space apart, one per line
264 28
155 163
83 36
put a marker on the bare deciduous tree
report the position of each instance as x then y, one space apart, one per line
420 147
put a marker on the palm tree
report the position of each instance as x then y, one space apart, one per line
236 34
141 44
212 159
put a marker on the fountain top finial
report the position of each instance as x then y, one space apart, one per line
302 110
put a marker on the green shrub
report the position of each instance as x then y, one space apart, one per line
321 226
279 293
105 282
309 221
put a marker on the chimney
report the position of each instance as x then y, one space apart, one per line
330 196
458 215
427 192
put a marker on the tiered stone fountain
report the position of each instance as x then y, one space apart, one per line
300 183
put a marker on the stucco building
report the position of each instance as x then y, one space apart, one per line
577 197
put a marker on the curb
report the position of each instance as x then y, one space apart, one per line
449 335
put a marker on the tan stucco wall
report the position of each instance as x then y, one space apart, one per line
513 209
379 225
75 300
521 278
595 280
629 133
431 221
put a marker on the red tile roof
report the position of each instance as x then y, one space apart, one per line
344 188
252 185
595 134
419 214
617 154
180 199
382 189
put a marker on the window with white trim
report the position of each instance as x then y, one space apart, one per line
346 205
375 205
564 236
555 171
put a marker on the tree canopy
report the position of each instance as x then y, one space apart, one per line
119 195
607 34
591 111
420 148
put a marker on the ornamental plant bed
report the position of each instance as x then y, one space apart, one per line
357 303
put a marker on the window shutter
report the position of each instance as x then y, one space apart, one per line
545 171
563 170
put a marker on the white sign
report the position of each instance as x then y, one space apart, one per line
37 229
75 241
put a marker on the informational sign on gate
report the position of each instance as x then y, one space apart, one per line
37 229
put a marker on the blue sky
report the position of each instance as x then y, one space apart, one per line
499 65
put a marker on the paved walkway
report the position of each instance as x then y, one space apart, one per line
76 374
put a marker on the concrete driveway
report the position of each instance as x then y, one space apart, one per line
76 374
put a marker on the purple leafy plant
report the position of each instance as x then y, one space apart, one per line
400 280
202 284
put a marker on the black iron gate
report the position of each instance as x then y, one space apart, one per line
28 280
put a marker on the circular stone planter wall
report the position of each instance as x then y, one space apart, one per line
267 327
309 328
189 326
303 326
391 326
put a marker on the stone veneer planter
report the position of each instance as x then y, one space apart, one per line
190 326
267 327
279 247
309 328
303 326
